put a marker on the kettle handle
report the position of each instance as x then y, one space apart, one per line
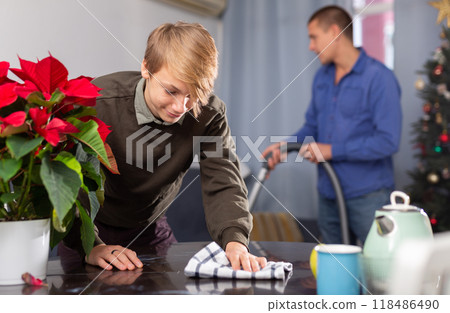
400 194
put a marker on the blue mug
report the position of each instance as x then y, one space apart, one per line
338 269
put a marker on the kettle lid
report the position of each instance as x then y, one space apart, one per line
405 206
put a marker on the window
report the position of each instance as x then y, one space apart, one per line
373 28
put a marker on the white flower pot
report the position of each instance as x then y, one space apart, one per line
24 247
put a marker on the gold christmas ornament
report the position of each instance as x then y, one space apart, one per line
433 178
438 118
444 10
419 84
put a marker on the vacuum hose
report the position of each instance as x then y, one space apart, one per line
291 147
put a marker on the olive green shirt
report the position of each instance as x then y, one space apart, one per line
149 181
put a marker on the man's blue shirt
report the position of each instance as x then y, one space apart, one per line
361 118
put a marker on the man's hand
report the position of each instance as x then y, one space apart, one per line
276 156
239 257
120 257
316 152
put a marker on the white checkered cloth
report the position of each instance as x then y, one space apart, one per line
211 262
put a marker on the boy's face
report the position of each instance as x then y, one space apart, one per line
166 96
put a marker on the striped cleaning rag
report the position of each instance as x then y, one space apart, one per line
212 262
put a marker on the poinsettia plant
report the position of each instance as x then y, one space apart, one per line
51 146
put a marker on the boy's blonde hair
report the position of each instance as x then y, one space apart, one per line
189 52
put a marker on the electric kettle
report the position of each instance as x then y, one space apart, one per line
393 225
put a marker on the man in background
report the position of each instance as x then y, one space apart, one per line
355 119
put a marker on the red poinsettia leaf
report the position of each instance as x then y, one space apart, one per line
52 136
47 74
80 88
5 80
4 66
87 102
7 94
103 129
61 126
87 77
112 160
50 74
26 89
61 109
31 280
26 72
15 119
39 116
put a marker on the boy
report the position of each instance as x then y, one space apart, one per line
170 102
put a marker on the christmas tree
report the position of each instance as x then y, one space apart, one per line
430 188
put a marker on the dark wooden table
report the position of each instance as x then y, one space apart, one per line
163 274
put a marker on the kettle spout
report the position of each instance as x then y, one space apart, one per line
385 225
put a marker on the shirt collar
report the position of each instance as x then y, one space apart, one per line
143 113
358 67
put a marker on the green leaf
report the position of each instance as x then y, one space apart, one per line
70 161
8 197
82 111
100 196
87 229
68 222
62 185
95 204
36 174
89 136
80 154
57 97
9 168
37 98
3 213
41 202
20 146
57 224
92 172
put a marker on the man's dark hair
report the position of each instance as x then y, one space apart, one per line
333 14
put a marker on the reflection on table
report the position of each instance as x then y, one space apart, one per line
163 274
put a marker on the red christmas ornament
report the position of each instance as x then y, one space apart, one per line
433 221
438 70
443 138
427 107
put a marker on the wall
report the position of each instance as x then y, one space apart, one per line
90 37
